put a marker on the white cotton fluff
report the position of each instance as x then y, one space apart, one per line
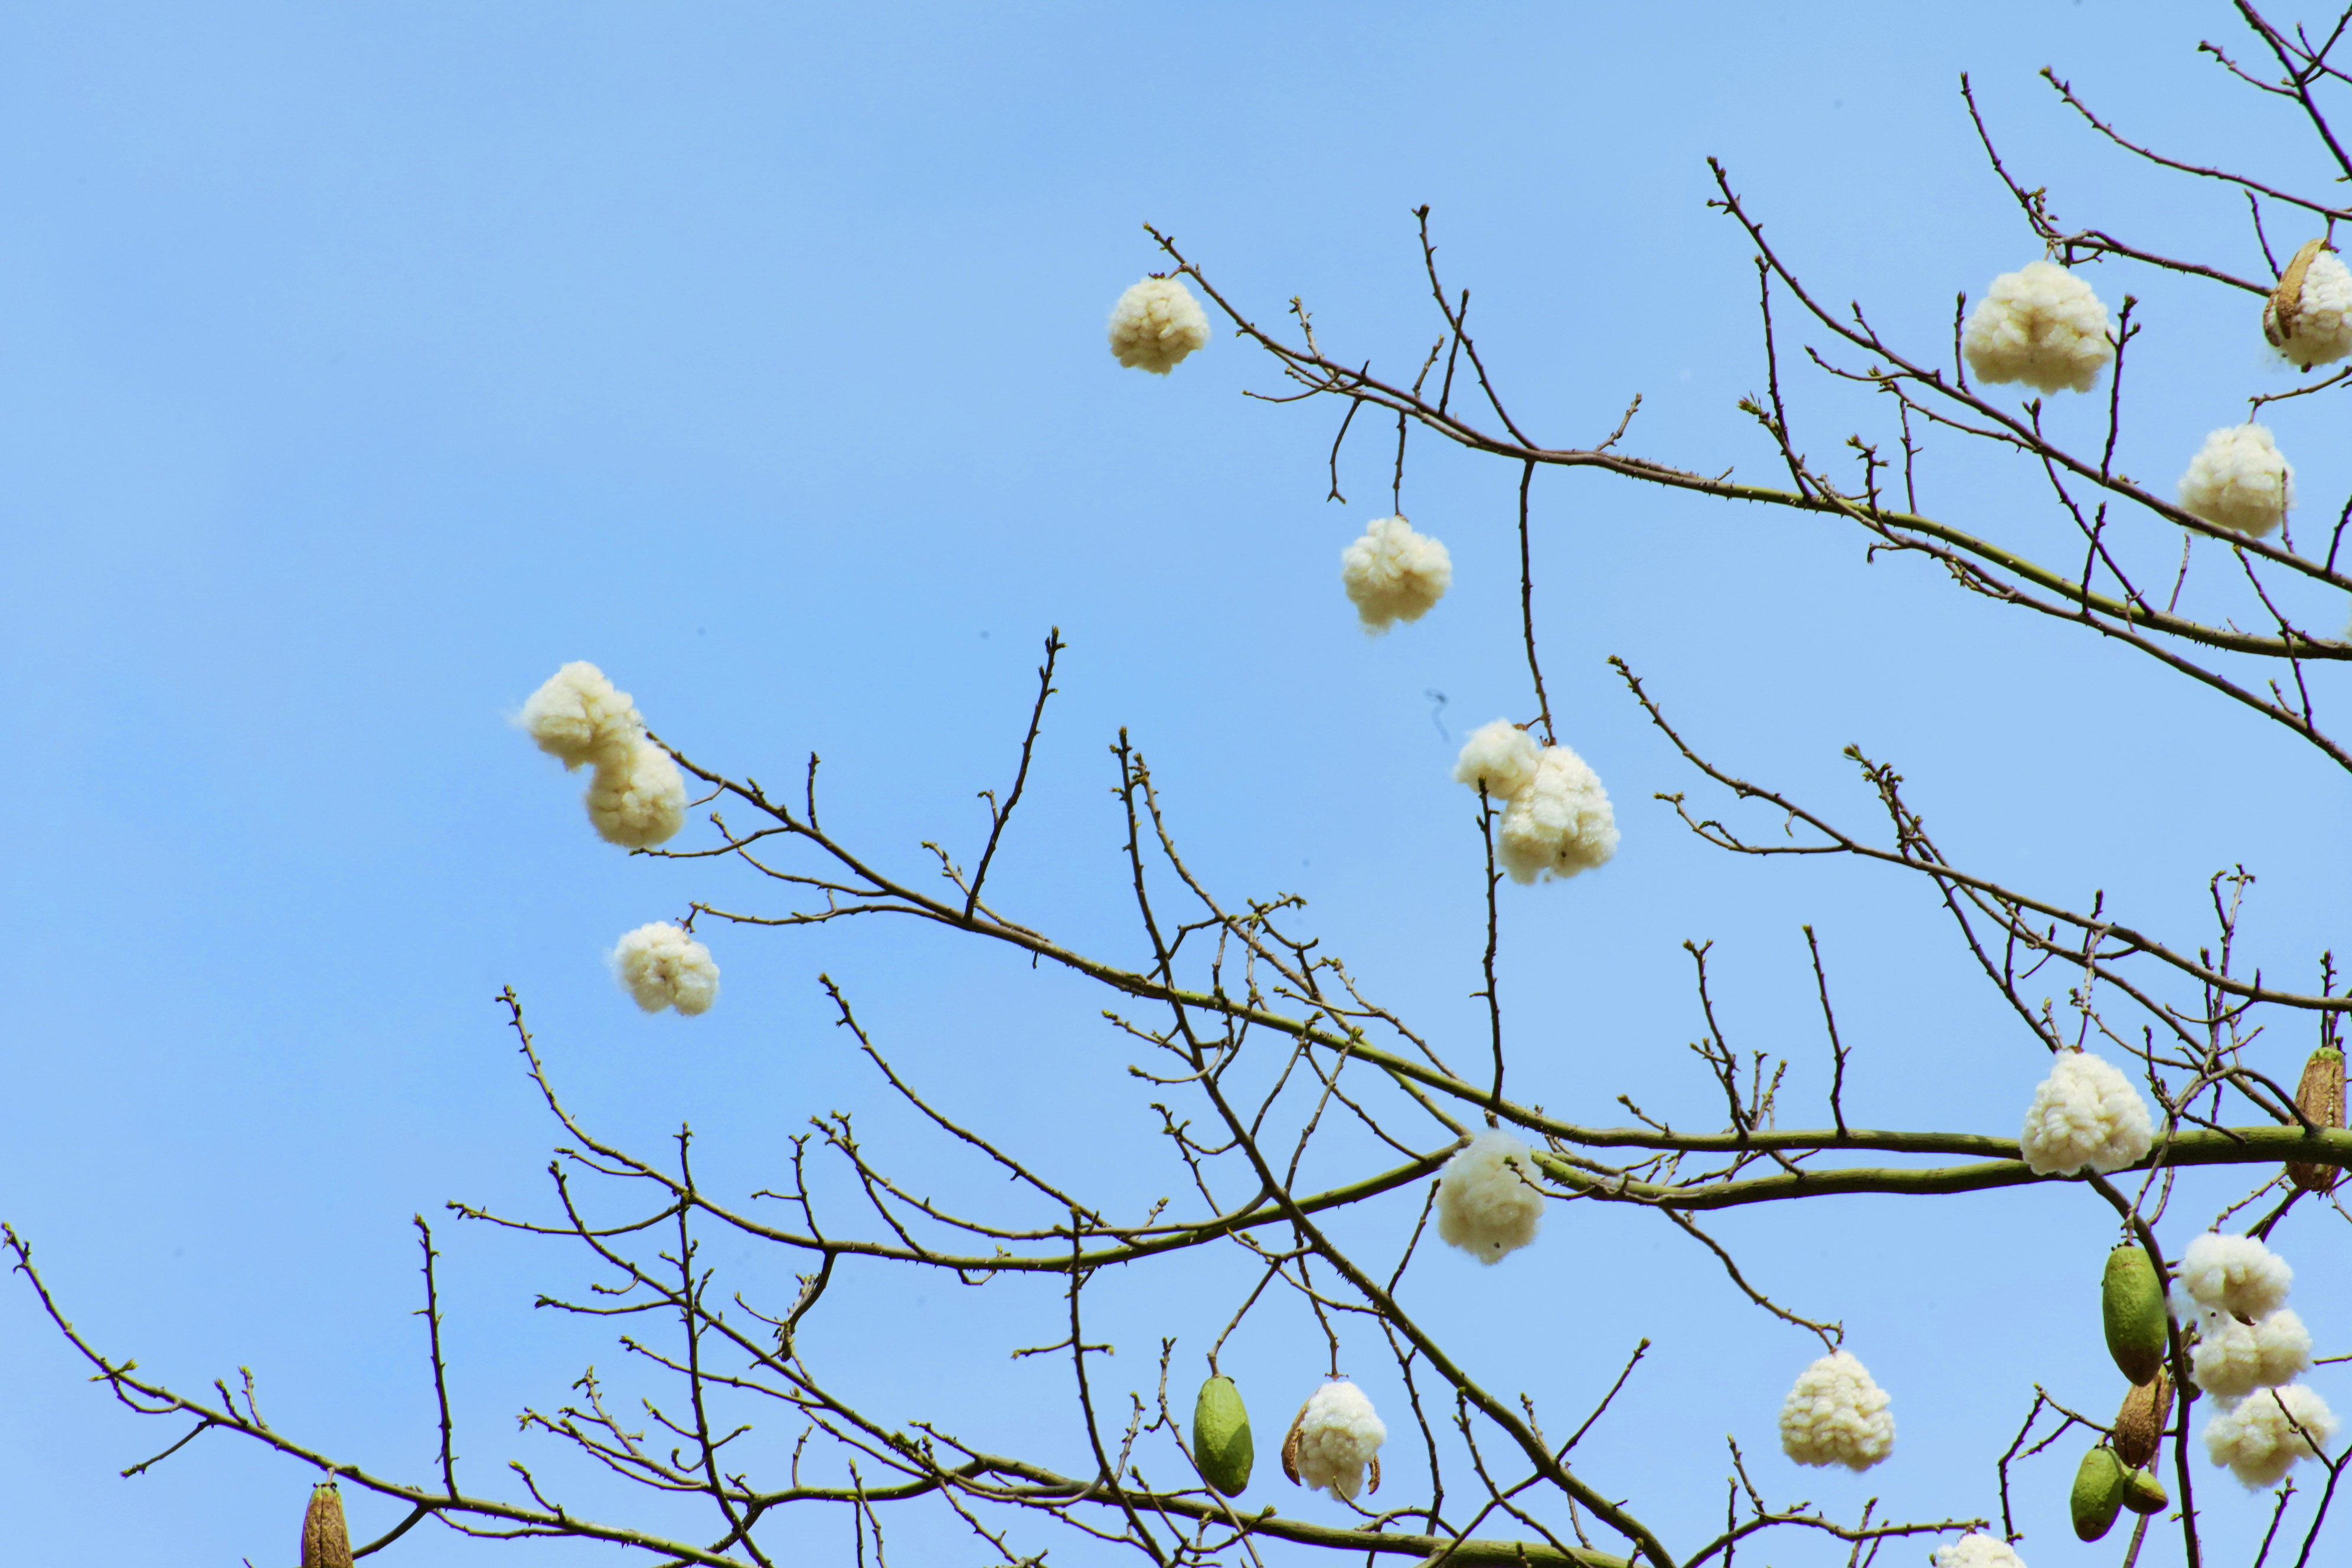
2233 1359
2239 481
1836 1415
639 801
2323 316
662 966
1392 573
1501 755
579 718
2235 1274
1977 1550
1485 1205
1560 824
2086 1113
1155 324
2041 325
2256 1436
1338 1434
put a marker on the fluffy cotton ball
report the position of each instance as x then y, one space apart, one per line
2319 328
578 717
1836 1415
2239 481
2041 325
1393 575
1485 1204
1502 754
1977 1550
1560 823
2257 1436
2233 1359
2235 1274
638 801
662 966
1156 323
1335 1437
2085 1113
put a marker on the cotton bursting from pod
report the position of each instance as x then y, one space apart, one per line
1155 324
2041 325
2239 481
636 797
1392 573
1836 1415
2308 317
2131 1307
2320 1096
326 1540
2098 1493
1487 1204
662 966
2084 1114
2262 1435
2140 1422
2233 1359
1977 1550
1221 1437
2235 1274
1335 1439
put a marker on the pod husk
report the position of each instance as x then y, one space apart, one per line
2286 304
2140 1423
326 1540
2320 1096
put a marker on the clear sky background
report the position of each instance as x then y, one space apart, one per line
360 365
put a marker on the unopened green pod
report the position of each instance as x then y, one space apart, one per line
2131 1299
2098 1493
1220 1435
2143 1493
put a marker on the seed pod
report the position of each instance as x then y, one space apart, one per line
2132 1301
1221 1437
2320 1096
326 1544
2098 1493
2143 1493
2141 1420
2286 300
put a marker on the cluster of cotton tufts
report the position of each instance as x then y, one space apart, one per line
2235 1274
1977 1550
1500 758
2041 325
2238 480
2086 1113
2309 315
1155 324
1392 573
1556 819
1336 1435
662 966
636 797
2232 1359
1486 1203
2260 1436
1836 1415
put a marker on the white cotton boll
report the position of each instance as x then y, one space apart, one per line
1334 1438
639 801
1392 573
2235 1274
2233 1358
662 966
1977 1550
2321 324
1155 324
1560 824
2257 1436
578 717
1485 1205
2041 325
1836 1415
2086 1113
1503 755
2239 481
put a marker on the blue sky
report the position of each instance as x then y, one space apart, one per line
360 366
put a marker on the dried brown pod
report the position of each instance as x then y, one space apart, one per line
325 1542
2141 1420
2320 1096
2286 300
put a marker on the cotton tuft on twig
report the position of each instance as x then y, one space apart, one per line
1392 573
2041 325
1836 1415
640 802
1335 1438
1977 1550
1155 324
2232 1359
1501 756
2238 480
662 966
2308 317
578 717
1558 825
2235 1274
1487 1205
2258 1437
2085 1114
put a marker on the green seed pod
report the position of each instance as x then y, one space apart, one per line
2098 1493
326 1544
2143 1493
2132 1301
1221 1437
